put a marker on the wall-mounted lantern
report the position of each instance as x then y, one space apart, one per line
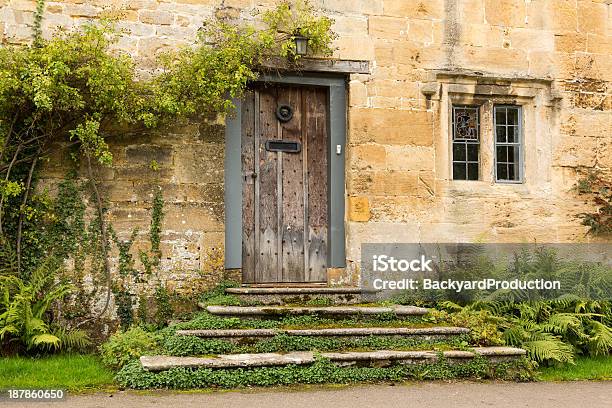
301 43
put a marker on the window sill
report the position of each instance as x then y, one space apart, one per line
480 187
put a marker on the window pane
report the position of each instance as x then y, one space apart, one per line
512 116
459 152
512 134
466 126
501 133
502 171
515 174
472 152
459 172
500 116
502 153
511 172
511 157
472 171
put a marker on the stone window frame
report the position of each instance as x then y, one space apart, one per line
535 96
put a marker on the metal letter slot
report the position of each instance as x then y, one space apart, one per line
284 146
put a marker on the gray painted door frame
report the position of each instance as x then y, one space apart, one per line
336 169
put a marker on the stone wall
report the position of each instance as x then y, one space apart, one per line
553 56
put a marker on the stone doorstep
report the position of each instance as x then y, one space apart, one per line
161 363
335 332
258 311
295 291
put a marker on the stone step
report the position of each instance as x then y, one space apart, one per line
424 333
297 295
380 358
259 312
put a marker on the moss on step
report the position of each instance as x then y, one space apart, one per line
206 321
133 375
194 346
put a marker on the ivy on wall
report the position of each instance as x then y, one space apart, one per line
597 188
71 95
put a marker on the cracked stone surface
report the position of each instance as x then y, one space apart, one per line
294 290
331 310
352 331
161 363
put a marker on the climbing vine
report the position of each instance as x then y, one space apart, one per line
70 96
37 23
597 188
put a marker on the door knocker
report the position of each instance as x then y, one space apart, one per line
284 113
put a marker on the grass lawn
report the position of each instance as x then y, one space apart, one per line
70 371
586 368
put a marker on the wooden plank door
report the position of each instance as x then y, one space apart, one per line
284 203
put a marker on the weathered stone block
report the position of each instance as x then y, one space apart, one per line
23 5
146 154
193 217
505 59
561 17
199 2
592 17
421 31
410 158
505 12
526 39
350 25
359 209
199 163
570 42
388 27
390 126
156 17
575 151
368 157
82 10
358 95
350 6
430 9
385 183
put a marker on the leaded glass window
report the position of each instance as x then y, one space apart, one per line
508 139
466 142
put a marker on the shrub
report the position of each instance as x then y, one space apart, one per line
484 327
550 330
123 347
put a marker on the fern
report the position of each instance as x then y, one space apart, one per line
45 340
547 347
24 310
600 341
72 340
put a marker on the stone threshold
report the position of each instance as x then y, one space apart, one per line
380 358
293 290
333 332
271 311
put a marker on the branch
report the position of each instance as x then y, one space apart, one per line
103 239
26 195
8 137
6 179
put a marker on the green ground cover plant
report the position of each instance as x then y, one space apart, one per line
322 371
193 346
